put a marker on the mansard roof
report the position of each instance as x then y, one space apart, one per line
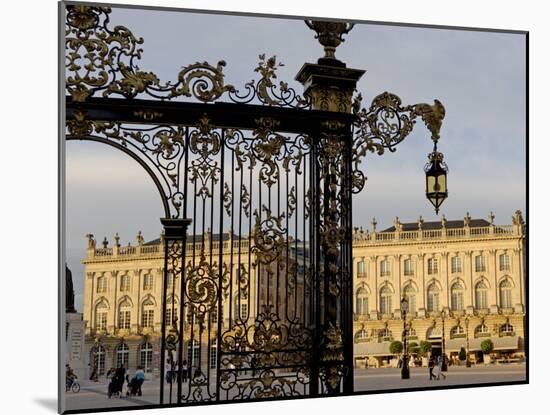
199 238
435 225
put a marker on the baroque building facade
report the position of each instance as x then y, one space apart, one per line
464 281
123 294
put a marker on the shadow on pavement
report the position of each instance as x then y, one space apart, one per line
48 403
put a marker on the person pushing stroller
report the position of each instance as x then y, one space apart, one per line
117 381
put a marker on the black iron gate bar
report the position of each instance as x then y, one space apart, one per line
186 148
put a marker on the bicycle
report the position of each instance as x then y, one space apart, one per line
74 386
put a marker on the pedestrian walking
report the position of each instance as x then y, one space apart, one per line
254 365
184 371
93 376
168 370
120 375
431 364
440 367
176 372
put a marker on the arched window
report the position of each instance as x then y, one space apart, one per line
193 353
213 353
504 262
385 300
122 354
384 268
457 297
410 294
433 333
148 314
101 316
361 335
481 331
457 331
481 295
362 302
385 333
146 357
433 298
148 282
101 285
125 283
411 332
506 330
505 294
124 315
97 359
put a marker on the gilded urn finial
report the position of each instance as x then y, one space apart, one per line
329 34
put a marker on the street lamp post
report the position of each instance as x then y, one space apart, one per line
467 321
405 374
444 364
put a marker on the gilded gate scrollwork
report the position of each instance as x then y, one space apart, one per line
257 198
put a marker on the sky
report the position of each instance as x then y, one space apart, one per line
478 76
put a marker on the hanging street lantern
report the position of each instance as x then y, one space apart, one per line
436 179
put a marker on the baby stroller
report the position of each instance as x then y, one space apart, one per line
133 387
115 387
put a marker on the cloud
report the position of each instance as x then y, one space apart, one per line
479 77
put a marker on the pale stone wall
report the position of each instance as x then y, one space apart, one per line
371 247
442 244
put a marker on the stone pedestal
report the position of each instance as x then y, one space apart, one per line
74 345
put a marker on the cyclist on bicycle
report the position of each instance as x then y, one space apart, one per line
70 376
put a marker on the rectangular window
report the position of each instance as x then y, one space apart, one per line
432 266
148 282
480 263
456 265
361 269
101 285
385 268
125 283
409 267
504 261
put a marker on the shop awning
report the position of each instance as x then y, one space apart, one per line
500 343
506 343
372 349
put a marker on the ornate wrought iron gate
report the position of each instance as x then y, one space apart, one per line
256 186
